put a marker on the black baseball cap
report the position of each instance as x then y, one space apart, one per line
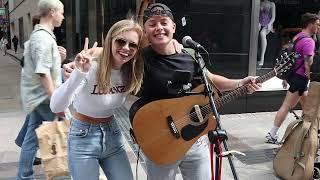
157 9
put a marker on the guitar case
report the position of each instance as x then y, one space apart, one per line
295 158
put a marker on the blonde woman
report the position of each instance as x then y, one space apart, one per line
96 87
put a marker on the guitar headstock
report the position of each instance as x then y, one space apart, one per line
284 64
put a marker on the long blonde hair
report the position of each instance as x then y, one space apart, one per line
132 70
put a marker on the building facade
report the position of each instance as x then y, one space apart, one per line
228 29
4 23
20 15
83 18
93 19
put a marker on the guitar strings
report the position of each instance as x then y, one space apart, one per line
206 109
181 121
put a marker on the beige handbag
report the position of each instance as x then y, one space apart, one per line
52 137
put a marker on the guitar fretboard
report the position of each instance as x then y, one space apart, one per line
240 91
285 62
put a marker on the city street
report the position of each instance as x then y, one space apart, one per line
245 131
236 40
11 115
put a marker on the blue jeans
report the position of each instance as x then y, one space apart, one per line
22 132
93 145
195 165
30 142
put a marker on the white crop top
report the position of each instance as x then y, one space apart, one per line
81 90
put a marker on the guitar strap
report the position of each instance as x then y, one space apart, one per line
294 49
192 53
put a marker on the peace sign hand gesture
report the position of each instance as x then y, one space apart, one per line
83 60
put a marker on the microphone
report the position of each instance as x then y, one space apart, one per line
188 42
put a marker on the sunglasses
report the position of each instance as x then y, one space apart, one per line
122 42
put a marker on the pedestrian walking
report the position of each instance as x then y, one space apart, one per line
299 80
15 41
40 76
3 44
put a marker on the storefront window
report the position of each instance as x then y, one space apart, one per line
116 10
222 27
285 27
93 19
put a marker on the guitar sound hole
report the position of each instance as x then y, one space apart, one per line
189 131
193 115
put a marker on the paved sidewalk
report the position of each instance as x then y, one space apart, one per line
246 133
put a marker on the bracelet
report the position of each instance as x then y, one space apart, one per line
238 83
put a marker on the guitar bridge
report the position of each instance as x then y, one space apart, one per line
172 127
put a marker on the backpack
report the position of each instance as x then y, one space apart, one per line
286 73
315 68
295 158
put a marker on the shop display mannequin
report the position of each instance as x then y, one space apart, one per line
266 19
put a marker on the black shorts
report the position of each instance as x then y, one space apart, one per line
298 83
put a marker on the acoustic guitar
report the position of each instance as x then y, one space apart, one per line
166 128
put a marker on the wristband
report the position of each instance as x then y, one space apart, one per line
238 83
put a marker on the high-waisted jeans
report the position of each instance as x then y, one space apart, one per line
195 165
93 145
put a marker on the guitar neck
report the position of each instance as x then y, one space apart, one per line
241 91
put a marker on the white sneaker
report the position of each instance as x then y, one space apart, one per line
272 140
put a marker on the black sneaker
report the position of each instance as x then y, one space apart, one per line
37 161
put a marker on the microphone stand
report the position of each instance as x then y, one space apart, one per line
218 135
